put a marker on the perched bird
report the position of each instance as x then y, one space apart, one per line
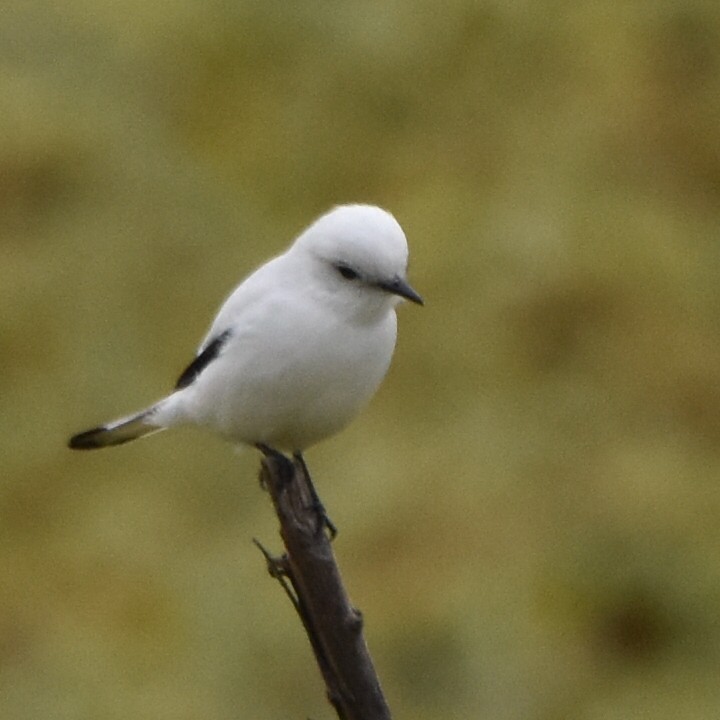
298 348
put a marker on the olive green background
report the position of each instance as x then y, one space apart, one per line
529 510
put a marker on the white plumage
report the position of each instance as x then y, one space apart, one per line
299 347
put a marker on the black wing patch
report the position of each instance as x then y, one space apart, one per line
209 353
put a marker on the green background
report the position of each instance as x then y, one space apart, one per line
529 510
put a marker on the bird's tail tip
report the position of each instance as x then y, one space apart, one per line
115 433
89 439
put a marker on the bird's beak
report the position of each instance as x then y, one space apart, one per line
398 286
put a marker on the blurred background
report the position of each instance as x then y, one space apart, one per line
528 511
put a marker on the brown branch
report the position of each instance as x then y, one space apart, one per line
311 578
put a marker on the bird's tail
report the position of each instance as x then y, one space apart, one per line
117 432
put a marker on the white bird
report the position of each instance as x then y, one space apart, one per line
299 347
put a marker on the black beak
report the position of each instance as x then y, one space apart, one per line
398 286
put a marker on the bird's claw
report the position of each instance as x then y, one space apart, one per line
324 522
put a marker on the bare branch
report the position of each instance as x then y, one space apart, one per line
311 579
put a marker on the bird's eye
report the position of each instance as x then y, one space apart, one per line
347 272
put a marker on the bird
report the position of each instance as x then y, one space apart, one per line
300 346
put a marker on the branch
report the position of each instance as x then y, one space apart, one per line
311 578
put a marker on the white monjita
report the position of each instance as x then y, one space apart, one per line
299 347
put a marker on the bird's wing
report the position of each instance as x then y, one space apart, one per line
208 353
244 301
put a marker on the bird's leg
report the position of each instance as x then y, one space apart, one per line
325 521
285 466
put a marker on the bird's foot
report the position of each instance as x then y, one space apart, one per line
285 467
324 521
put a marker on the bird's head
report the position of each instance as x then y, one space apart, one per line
358 254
